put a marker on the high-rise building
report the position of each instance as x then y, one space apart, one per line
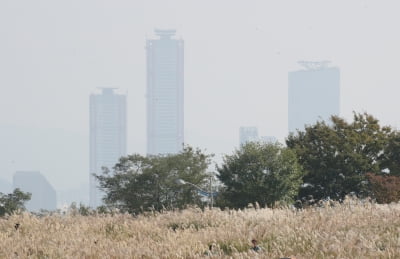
268 139
164 93
248 134
107 136
43 195
314 94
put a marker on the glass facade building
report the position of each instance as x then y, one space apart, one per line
107 136
165 89
248 134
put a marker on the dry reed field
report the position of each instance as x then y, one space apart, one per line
349 230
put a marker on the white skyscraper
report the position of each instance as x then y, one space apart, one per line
314 94
164 93
248 134
107 136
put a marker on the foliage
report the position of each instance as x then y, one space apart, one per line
391 155
102 209
140 183
337 155
385 188
259 172
82 210
13 202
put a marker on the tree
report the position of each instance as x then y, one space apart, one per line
258 172
391 156
13 202
140 183
385 188
336 156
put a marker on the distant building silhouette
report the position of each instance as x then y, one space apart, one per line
164 93
248 134
5 186
79 194
107 136
43 194
314 94
268 139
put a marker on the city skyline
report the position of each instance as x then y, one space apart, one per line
236 70
250 134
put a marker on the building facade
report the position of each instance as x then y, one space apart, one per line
248 134
313 94
107 136
165 90
268 139
43 195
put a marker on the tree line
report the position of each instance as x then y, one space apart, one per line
326 160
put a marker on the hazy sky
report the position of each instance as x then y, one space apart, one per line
53 54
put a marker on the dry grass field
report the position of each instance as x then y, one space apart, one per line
349 230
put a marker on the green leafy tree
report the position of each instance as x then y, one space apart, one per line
259 172
391 156
139 183
337 155
13 202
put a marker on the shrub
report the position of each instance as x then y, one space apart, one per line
385 188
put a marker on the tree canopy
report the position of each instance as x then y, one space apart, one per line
138 183
259 172
13 202
337 155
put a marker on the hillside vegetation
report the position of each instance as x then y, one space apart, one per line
353 229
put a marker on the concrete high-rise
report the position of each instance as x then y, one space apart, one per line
314 94
165 93
248 134
43 195
107 136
